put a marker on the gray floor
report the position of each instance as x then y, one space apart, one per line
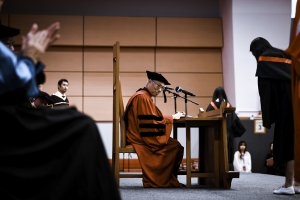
249 186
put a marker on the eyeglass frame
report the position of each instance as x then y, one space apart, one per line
160 87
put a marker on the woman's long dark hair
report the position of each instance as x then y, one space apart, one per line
220 94
240 144
258 46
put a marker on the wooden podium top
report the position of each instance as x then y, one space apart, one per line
217 113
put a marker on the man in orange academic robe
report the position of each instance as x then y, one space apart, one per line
148 131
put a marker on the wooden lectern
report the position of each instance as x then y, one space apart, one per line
213 169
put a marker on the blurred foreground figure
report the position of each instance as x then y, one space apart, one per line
46 153
294 51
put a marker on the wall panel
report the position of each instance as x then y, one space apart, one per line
99 108
63 59
168 108
98 84
188 60
131 82
4 19
101 84
131 59
129 31
71 26
137 59
98 59
189 32
76 101
202 85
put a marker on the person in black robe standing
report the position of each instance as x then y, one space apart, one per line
274 86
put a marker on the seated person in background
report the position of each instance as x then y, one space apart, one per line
46 153
218 97
280 171
42 100
242 158
148 131
60 97
269 160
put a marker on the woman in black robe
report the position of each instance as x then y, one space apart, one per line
274 86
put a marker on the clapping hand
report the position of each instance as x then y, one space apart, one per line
36 42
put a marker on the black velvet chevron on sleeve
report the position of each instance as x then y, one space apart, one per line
151 126
143 117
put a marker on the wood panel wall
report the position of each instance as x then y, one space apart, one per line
187 51
4 19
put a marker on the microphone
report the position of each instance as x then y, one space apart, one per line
179 89
168 88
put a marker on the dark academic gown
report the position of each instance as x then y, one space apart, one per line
52 154
274 85
58 101
149 133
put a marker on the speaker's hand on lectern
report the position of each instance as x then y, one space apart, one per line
178 115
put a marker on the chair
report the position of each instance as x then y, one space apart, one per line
119 132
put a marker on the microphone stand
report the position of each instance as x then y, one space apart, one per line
175 105
175 95
185 101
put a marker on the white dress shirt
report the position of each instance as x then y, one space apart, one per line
63 96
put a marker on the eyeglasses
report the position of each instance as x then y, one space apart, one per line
159 86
